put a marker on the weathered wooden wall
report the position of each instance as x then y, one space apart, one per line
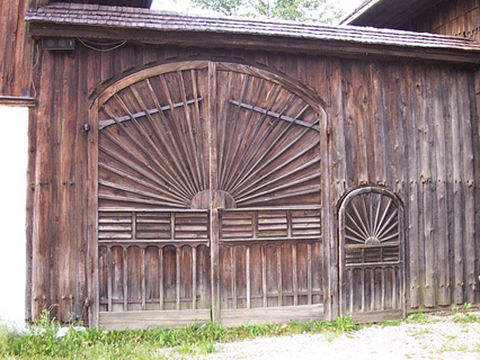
407 126
458 17
16 48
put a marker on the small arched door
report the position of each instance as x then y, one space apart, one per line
371 255
209 195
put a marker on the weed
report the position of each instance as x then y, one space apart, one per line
453 348
465 318
385 323
416 318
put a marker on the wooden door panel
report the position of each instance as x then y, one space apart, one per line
270 258
275 161
153 261
152 148
372 269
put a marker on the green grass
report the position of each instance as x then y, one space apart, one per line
41 342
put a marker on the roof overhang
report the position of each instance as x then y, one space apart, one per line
154 27
131 3
387 13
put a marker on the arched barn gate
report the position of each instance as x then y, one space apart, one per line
209 197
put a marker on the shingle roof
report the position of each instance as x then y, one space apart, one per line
146 19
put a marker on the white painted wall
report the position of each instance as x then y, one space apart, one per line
13 190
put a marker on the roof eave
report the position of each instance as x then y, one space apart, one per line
392 14
202 39
358 12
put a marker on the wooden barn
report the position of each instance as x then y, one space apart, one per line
185 168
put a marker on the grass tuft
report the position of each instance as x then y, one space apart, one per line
416 318
465 318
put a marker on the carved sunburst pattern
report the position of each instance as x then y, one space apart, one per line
371 219
154 142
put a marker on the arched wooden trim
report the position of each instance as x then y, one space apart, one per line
371 226
349 195
289 83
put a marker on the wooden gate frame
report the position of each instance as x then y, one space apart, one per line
104 91
343 202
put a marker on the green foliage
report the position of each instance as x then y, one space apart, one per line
300 10
226 7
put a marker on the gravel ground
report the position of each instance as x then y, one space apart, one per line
438 338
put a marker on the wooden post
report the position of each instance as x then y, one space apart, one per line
92 230
41 200
214 220
330 268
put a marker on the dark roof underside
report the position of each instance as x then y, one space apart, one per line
105 22
387 13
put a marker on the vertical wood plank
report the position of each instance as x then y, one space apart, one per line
109 278
382 305
394 287
363 290
247 276
413 200
125 278
350 291
213 180
279 276
289 224
92 220
233 276
309 273
172 226
32 129
194 277
372 289
442 235
264 277
465 83
428 174
160 278
294 274
334 171
41 203
143 286
458 205
177 278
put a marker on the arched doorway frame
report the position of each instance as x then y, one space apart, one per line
348 309
102 95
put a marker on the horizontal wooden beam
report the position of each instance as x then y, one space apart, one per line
118 320
345 49
17 101
102 124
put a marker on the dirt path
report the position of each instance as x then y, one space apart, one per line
438 338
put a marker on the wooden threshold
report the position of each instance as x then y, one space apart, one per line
376 316
119 320
280 314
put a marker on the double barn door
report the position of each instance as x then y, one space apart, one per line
208 198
